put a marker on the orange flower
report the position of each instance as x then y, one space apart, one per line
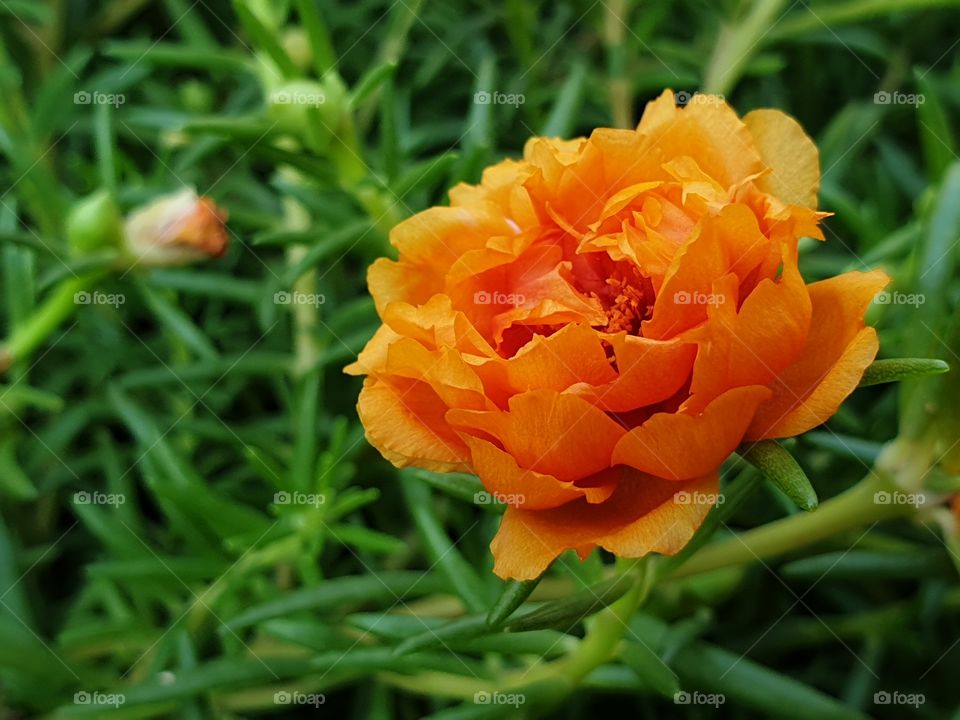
593 329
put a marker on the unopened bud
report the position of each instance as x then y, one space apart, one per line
292 106
296 45
175 230
94 223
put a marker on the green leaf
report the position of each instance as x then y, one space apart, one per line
364 538
458 485
707 668
897 369
338 593
463 628
868 565
936 137
566 109
515 592
568 611
650 668
265 39
449 561
779 466
371 82
324 56
179 324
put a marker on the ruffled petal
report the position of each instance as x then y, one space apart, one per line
649 371
524 488
790 154
752 345
838 349
404 420
643 515
552 433
572 355
731 242
681 446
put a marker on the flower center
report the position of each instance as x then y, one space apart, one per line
627 300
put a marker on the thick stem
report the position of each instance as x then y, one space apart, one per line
736 44
855 508
38 327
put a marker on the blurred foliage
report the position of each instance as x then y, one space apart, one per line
261 545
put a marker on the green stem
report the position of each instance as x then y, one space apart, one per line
47 318
736 45
607 630
852 509
621 100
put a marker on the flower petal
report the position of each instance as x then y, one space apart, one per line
642 516
404 420
650 371
552 433
681 446
754 344
574 354
838 349
728 242
789 153
529 489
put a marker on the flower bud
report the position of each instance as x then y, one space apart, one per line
296 44
175 230
94 223
290 106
